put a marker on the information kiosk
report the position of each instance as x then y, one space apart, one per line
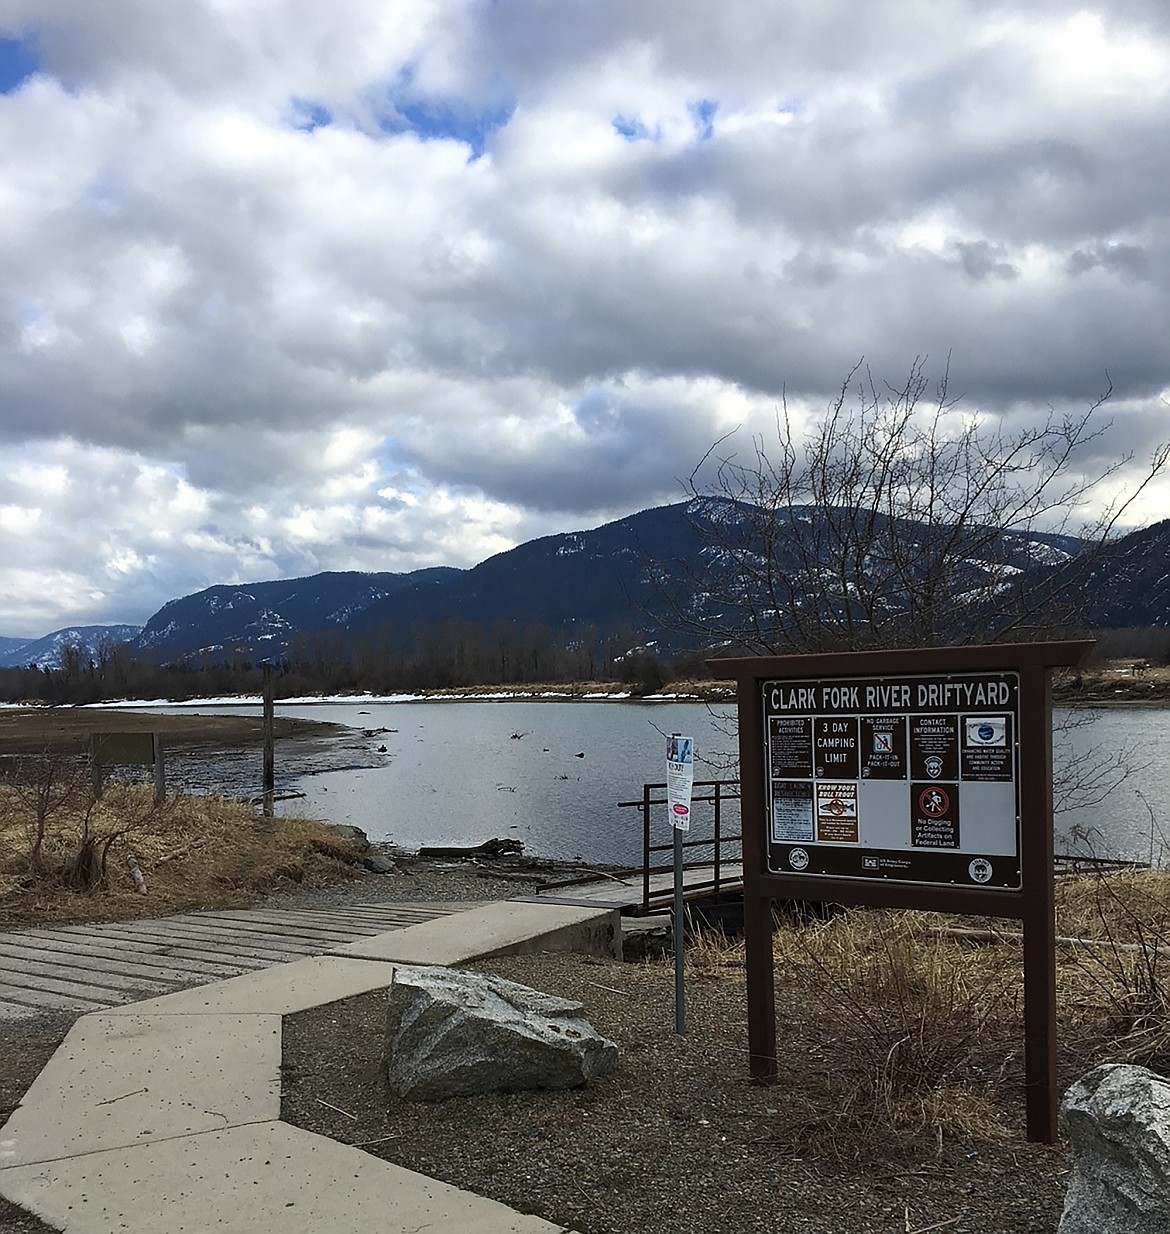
908 779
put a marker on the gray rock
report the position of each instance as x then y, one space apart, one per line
1118 1119
378 863
452 1034
344 831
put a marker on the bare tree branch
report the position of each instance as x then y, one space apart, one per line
901 520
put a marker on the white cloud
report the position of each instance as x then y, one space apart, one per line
289 287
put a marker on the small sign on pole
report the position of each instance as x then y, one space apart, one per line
680 779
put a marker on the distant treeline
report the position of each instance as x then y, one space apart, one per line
1140 642
446 654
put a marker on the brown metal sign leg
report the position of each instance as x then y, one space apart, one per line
1040 1031
761 994
1039 904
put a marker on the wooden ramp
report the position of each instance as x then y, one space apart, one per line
89 967
626 891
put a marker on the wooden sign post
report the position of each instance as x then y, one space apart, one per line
269 725
904 779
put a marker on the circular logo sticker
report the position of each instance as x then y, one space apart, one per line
798 858
985 732
980 870
934 766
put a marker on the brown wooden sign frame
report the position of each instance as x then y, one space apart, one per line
128 749
1033 902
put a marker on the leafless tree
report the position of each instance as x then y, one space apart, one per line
69 829
43 784
901 519
121 811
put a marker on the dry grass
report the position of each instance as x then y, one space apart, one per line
1129 680
913 1032
193 851
925 1028
33 730
913 1022
1118 979
1123 904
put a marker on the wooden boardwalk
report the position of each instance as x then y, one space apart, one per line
89 967
625 891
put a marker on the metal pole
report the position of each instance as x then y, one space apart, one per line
718 783
680 994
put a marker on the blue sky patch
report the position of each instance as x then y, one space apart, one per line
631 129
703 114
437 121
309 115
18 62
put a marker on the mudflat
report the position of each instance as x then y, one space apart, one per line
31 730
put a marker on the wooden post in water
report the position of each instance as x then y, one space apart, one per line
269 743
160 768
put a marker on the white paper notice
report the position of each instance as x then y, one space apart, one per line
680 779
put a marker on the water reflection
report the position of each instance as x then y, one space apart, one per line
551 774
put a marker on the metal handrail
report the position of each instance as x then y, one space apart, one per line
722 790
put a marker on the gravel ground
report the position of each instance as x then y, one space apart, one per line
27 1046
677 1139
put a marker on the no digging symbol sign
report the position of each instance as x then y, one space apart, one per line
934 802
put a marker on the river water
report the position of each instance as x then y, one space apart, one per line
551 774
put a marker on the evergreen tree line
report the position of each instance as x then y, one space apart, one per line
448 654
443 655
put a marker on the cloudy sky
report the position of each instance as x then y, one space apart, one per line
291 286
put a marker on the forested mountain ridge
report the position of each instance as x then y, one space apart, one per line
1130 584
618 576
261 619
46 652
691 576
668 578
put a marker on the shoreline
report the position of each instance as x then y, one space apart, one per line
32 730
1140 694
468 694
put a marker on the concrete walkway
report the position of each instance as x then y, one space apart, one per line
88 967
163 1116
626 891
